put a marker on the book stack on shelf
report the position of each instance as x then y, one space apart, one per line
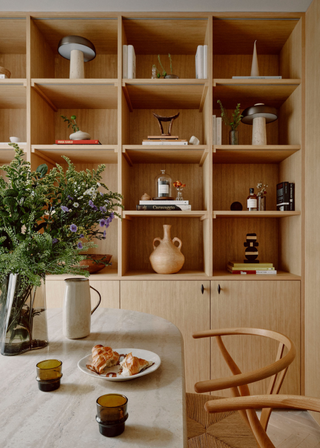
164 141
164 205
216 130
236 267
77 142
201 60
285 196
128 62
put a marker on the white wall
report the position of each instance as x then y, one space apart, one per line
155 5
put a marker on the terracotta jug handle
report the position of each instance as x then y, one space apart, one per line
179 241
156 239
99 299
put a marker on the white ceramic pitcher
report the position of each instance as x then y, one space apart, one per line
76 315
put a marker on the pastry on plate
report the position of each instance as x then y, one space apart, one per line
131 365
102 358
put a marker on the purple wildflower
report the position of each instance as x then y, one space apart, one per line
73 228
102 222
69 197
103 209
55 240
64 208
107 224
79 245
104 235
91 203
95 208
111 215
81 236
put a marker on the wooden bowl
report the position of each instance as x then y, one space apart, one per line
92 264
4 71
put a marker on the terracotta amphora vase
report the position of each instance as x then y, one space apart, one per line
166 257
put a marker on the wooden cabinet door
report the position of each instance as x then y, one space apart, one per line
109 290
274 305
183 304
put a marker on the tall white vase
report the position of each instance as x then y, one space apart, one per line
254 65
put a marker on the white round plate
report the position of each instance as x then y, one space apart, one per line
144 354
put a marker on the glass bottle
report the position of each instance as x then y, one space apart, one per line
154 72
252 202
163 185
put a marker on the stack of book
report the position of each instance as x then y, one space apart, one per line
201 60
164 205
170 140
216 130
285 196
128 62
236 267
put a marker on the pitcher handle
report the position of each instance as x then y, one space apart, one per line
178 240
156 239
99 299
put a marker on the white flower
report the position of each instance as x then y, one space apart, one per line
76 204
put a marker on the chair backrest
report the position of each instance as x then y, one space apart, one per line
263 401
238 383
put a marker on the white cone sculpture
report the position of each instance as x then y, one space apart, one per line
254 65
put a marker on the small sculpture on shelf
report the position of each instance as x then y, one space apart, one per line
251 252
170 119
77 134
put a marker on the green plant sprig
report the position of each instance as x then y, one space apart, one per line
164 72
236 116
71 122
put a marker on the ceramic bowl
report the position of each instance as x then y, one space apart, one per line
92 264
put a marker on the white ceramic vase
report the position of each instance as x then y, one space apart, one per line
79 135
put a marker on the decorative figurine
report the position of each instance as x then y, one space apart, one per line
166 119
251 252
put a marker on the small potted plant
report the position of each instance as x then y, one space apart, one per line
233 122
164 72
261 195
77 133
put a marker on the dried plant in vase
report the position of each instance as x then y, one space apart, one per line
262 191
232 122
179 186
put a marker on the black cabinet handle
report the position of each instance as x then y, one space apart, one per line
219 288
202 289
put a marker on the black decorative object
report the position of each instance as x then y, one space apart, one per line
251 252
236 206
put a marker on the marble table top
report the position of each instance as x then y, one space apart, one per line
66 417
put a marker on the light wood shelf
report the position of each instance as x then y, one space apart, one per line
78 94
13 94
165 93
165 154
78 153
131 214
253 153
247 214
281 275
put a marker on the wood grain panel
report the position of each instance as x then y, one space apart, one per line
229 235
142 176
13 35
41 56
42 120
290 119
143 124
291 54
142 231
240 64
182 304
182 65
231 182
312 160
15 63
102 66
271 305
13 123
109 290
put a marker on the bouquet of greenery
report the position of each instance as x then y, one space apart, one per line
236 116
46 218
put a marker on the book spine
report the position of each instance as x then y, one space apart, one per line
125 61
283 196
291 196
219 131
178 203
131 62
77 142
163 207
256 77
214 129
250 268
205 61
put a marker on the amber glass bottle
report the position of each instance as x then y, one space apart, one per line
252 202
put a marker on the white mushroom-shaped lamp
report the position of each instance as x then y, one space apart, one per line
259 115
79 50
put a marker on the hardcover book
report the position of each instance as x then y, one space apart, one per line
77 142
253 272
291 196
164 142
241 265
283 196
163 207
164 202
